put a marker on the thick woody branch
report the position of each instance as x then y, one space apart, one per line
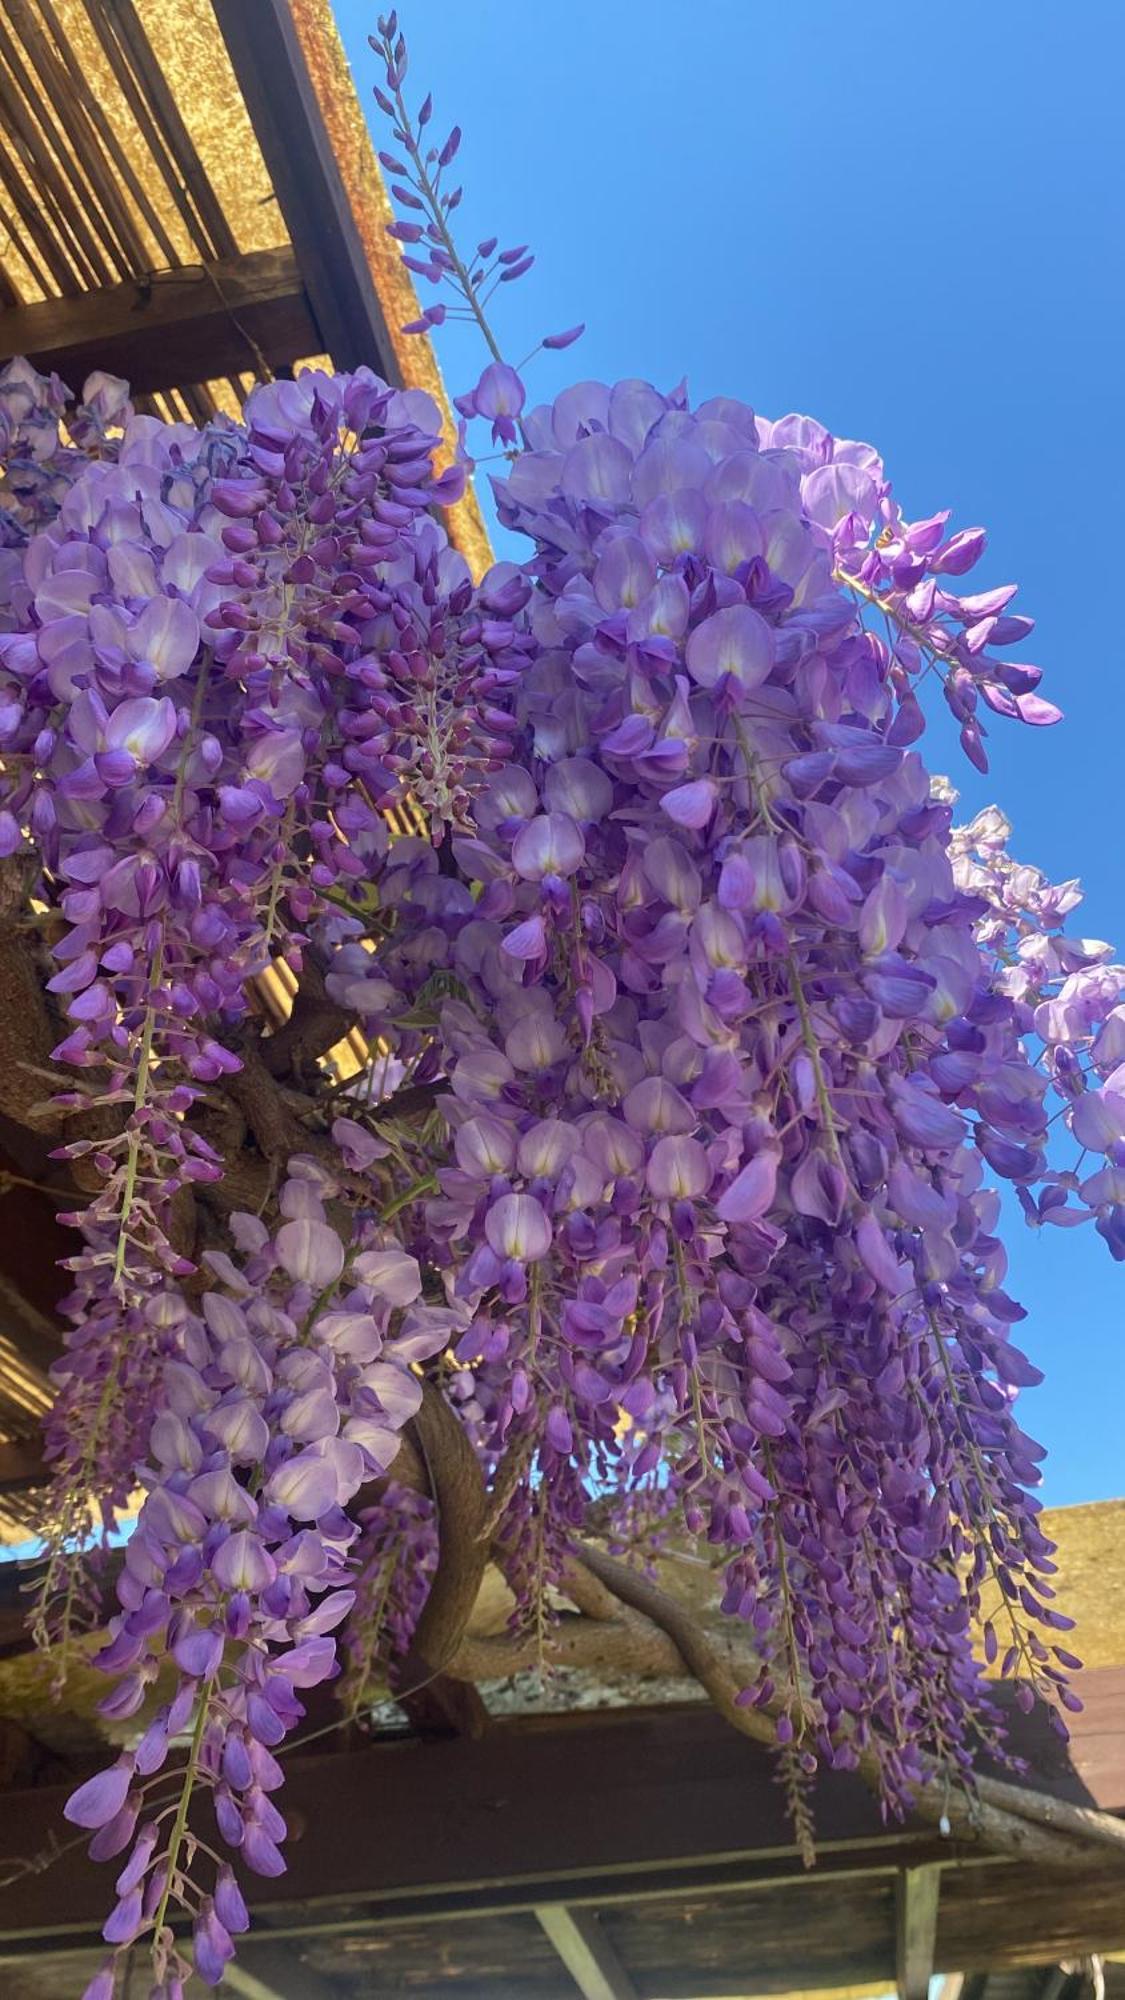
414 1100
248 1180
408 1470
612 1647
315 1025
507 1477
587 1594
1082 1822
457 1489
256 1121
257 1095
1025 1824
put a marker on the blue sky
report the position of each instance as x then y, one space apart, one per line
906 224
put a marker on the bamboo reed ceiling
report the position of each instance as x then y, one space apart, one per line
151 161
126 152
133 167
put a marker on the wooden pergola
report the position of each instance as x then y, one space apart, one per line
638 1851
189 197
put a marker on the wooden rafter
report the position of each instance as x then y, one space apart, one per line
20 1461
311 128
152 104
266 55
192 324
586 1952
265 1970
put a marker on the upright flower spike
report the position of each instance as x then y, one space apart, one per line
422 192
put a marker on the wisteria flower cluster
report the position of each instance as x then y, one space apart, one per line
286 1392
737 1051
693 1038
228 651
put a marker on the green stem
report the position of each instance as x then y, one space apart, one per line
437 213
812 1049
277 878
534 1315
179 1824
140 1091
364 1674
788 1621
197 702
916 633
808 1032
753 772
427 1185
698 1417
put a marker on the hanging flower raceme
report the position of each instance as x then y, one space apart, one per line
230 649
395 1555
732 1055
285 1392
1070 998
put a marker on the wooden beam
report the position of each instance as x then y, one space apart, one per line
581 1810
586 1952
265 52
917 1892
17 1580
1027 1915
566 1810
194 324
237 1978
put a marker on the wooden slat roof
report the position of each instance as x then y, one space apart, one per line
117 166
206 160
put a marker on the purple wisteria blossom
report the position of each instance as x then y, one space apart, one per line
689 1036
185 687
282 1394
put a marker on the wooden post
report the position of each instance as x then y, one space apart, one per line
916 1907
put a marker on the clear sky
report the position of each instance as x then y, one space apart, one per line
907 223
